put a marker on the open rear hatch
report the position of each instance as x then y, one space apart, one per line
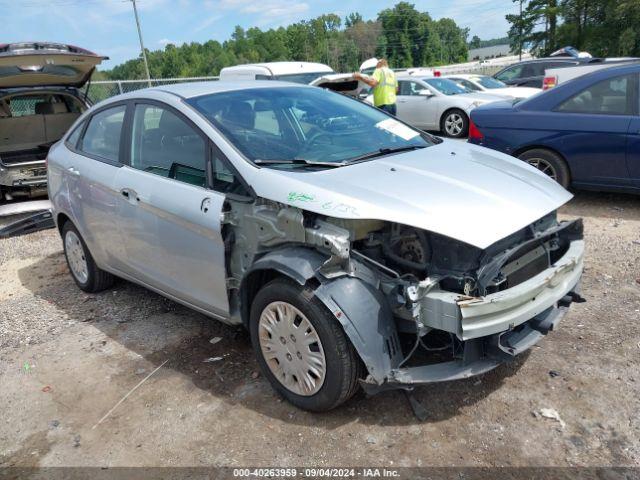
340 82
39 64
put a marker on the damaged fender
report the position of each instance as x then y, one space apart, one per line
362 310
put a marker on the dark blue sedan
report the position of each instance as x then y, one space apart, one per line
584 133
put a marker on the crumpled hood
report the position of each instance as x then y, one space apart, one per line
462 191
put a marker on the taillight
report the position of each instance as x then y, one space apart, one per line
474 132
549 82
437 73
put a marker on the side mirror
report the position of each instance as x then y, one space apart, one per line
426 93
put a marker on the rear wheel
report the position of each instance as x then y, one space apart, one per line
83 268
455 123
549 163
301 348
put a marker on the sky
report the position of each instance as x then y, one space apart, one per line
108 27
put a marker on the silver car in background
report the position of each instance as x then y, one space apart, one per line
438 104
344 240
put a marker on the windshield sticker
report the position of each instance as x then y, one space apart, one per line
300 197
397 128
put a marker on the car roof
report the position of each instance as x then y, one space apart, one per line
551 97
559 59
197 89
284 68
464 75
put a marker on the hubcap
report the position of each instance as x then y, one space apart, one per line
544 166
453 124
75 257
291 348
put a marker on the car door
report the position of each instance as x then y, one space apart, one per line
170 222
633 146
90 171
595 124
413 108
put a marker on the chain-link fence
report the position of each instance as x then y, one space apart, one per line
483 67
103 89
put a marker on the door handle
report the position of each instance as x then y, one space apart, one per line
73 171
125 193
205 205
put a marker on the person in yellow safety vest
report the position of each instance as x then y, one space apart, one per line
384 84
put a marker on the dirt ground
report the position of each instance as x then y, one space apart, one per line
67 358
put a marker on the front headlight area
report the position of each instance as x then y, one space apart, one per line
410 262
400 292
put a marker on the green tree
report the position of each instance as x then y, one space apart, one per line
403 34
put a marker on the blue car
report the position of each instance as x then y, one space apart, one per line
584 133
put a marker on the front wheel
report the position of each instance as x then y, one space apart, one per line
301 348
455 123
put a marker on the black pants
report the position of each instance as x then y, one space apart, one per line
389 109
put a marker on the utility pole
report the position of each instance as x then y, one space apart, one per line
144 53
519 39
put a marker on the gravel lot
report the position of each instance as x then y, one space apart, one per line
66 358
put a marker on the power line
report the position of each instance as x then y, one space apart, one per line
144 53
62 3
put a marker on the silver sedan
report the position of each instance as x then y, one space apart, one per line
343 239
438 104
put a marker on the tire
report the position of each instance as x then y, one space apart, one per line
342 366
549 163
82 267
455 123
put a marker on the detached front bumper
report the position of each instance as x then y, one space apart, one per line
495 328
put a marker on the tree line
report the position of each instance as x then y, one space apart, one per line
402 34
604 28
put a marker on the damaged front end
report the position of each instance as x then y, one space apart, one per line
417 306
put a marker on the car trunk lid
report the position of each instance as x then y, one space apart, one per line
37 64
340 82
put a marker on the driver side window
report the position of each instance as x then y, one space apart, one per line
410 88
164 144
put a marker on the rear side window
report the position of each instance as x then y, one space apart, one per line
75 135
613 96
102 137
510 73
532 70
166 145
23 106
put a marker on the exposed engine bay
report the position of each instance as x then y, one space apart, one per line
396 288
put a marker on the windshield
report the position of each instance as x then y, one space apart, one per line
467 84
489 82
304 78
446 86
303 123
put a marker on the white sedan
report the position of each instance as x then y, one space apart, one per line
437 104
484 83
